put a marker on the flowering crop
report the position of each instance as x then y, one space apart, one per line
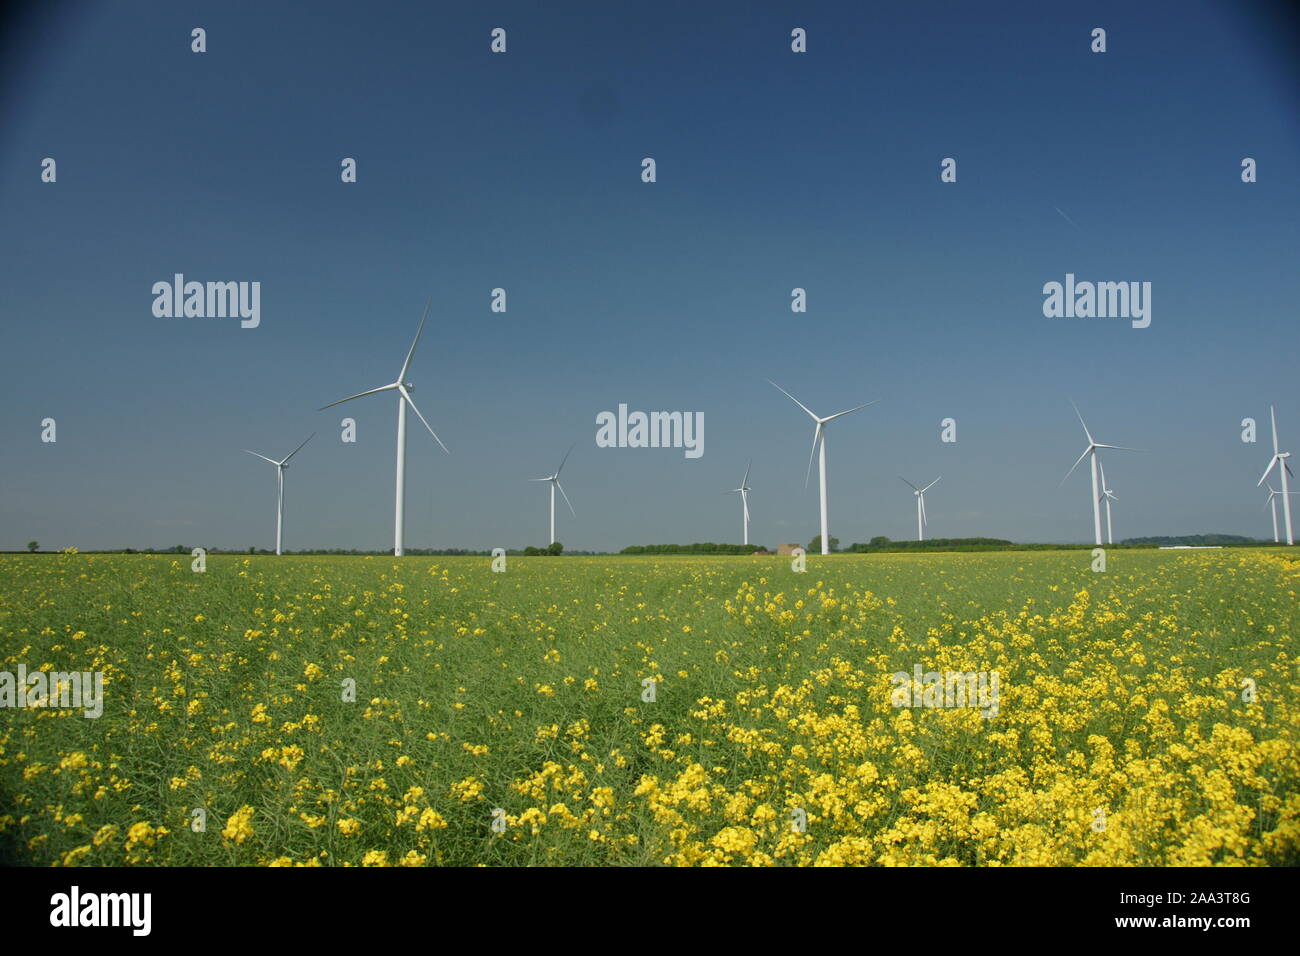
1147 715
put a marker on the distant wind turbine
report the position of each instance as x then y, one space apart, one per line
555 483
921 519
280 466
1273 495
1091 453
744 490
1280 456
819 436
403 389
1108 496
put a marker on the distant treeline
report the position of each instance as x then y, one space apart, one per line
1193 540
186 549
877 545
707 547
881 543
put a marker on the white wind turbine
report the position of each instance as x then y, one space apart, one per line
1280 456
744 490
819 435
555 483
1091 452
280 466
1273 495
1108 496
921 519
403 389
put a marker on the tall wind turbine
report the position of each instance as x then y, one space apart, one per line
1108 496
555 483
403 389
1280 456
744 490
819 436
921 519
1091 453
280 466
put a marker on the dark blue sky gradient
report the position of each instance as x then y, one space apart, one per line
522 170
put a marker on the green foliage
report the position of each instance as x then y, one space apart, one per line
1192 540
707 547
882 544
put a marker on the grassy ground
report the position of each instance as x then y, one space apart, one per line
1121 737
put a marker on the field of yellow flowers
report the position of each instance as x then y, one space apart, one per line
675 710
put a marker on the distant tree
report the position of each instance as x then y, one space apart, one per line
530 551
879 541
32 546
252 550
555 548
815 545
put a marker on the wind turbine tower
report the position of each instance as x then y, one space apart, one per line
554 481
919 493
403 389
280 466
819 438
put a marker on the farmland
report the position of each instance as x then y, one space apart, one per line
654 710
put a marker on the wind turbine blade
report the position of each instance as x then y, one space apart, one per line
744 481
1119 447
931 484
1267 470
817 434
924 519
381 388
793 399
1288 469
566 498
1272 417
1081 422
744 501
1101 465
539 479
407 397
263 457
564 459
908 483
401 376
298 449
1076 464
848 412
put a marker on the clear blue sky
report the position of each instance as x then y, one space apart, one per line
522 170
